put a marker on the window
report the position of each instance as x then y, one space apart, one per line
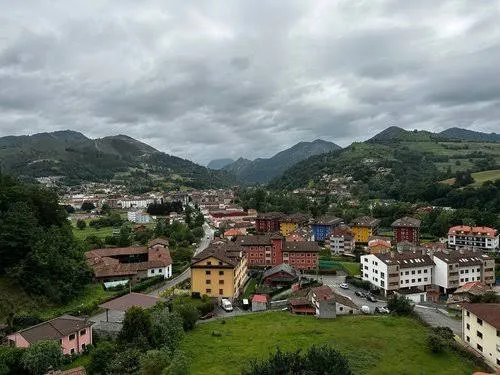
467 326
72 336
208 282
407 281
425 271
152 271
160 270
83 346
83 332
498 333
479 321
208 290
419 280
221 282
366 267
419 271
480 348
221 292
467 338
498 362
382 274
72 351
413 272
209 263
412 280
479 334
221 273
468 313
425 278
407 272
341 308
208 272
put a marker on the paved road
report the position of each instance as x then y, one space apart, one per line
116 316
435 319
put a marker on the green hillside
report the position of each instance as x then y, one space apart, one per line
71 158
395 164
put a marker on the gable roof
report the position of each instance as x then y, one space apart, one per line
475 231
327 220
259 298
477 288
302 246
254 240
283 267
54 329
322 292
406 259
344 300
365 221
125 302
158 241
217 252
407 222
463 258
489 312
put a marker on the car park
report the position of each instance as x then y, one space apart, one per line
371 298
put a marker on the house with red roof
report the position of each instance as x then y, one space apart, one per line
467 237
259 302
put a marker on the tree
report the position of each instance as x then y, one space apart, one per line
42 356
10 361
81 224
178 366
400 305
87 206
154 361
100 358
189 314
435 343
136 328
166 328
325 360
125 363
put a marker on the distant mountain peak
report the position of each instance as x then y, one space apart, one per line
469 135
219 163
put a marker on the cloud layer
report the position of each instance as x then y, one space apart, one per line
210 79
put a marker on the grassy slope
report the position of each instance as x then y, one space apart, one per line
374 345
479 177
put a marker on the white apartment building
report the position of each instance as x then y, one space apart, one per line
481 330
393 271
455 268
138 217
467 237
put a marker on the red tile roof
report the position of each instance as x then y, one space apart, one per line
260 298
475 231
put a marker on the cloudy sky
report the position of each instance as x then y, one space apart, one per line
209 79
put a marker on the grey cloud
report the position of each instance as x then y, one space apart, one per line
213 79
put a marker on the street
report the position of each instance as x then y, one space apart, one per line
117 316
437 319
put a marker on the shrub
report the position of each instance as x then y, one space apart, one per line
206 307
216 334
435 343
400 305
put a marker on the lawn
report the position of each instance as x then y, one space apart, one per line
82 234
373 345
479 177
352 268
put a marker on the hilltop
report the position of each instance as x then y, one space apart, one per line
71 158
394 163
263 170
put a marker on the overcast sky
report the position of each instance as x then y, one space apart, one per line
211 79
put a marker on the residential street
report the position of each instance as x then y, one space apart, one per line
116 316
435 318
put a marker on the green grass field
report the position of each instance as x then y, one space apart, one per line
479 177
82 234
373 345
351 267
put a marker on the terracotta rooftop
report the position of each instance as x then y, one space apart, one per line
125 302
322 292
489 312
271 215
260 298
407 222
158 241
474 231
73 371
54 329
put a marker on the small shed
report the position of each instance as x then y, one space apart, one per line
123 303
259 302
413 294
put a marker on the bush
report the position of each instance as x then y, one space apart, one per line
216 334
359 283
400 305
189 314
206 307
435 343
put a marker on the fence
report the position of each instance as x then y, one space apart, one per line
278 305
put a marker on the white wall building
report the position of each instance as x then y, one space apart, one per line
138 217
481 330
165 271
457 267
393 271
464 236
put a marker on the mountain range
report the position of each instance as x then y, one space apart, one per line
73 158
263 170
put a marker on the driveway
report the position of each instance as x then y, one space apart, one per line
435 318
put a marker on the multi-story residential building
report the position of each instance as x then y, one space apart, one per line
290 223
464 236
323 225
406 229
268 222
481 330
364 227
73 334
219 271
394 271
377 245
340 240
272 249
456 268
134 262
138 217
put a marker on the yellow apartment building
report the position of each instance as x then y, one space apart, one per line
364 227
218 271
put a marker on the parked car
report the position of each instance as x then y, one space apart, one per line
365 309
226 305
208 316
371 298
384 310
358 293
344 286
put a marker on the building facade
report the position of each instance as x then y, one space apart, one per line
364 227
481 330
406 229
218 271
341 240
323 225
268 222
467 237
457 267
73 334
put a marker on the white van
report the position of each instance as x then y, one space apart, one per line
226 304
365 309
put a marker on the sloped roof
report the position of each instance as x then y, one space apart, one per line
125 302
345 301
327 220
365 221
254 240
406 259
477 288
465 258
259 298
302 246
283 267
217 252
476 231
322 292
54 329
489 312
407 222
158 241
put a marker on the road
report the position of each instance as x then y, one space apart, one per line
434 318
116 316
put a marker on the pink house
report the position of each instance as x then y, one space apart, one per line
73 333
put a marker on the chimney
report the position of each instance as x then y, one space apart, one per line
392 254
